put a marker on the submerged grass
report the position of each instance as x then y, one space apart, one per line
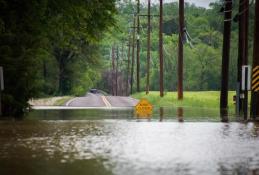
203 99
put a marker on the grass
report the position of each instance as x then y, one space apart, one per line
50 101
202 99
62 101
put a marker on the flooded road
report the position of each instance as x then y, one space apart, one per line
56 143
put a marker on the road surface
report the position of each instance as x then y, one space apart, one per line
99 100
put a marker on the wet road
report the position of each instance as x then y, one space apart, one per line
99 100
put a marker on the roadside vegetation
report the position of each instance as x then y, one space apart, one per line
50 48
63 48
202 49
50 101
201 99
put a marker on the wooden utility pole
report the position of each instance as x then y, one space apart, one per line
117 65
180 50
138 45
161 59
225 58
133 55
113 71
148 46
128 66
1 88
255 76
242 96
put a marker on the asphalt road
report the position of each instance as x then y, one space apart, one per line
99 100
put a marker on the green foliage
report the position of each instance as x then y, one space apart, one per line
202 58
48 46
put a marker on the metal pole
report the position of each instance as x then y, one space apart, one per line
138 46
225 59
255 81
148 47
133 56
161 59
180 51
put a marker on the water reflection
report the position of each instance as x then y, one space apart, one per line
161 114
128 147
224 115
180 114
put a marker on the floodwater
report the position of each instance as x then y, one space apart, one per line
89 142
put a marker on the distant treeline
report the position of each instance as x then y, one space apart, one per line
202 49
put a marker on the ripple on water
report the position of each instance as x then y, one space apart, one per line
124 147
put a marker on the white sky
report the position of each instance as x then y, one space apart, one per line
200 3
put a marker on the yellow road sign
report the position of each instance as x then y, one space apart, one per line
144 108
255 79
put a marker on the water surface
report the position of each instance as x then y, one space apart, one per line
72 142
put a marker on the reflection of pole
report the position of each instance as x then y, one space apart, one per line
128 66
255 88
133 56
180 114
180 52
242 103
225 58
161 59
148 47
138 46
161 114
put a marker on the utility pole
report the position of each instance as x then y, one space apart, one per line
180 50
133 55
255 76
242 95
138 45
117 65
161 59
1 88
113 71
123 58
148 46
128 65
225 59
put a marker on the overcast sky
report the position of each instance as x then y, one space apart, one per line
201 3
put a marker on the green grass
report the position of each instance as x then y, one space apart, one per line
63 100
203 99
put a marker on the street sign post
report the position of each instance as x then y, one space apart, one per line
255 79
143 109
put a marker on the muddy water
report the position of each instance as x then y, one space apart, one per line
121 144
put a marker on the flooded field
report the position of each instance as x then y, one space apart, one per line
173 141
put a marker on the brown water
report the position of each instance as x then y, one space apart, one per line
126 145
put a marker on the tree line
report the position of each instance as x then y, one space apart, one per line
202 45
50 47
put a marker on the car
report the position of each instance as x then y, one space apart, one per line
94 91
